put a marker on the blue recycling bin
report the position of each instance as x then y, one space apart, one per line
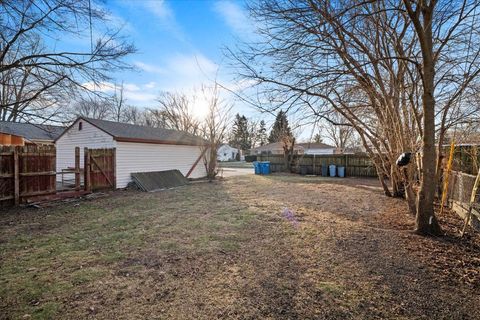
256 166
324 171
333 170
341 172
265 167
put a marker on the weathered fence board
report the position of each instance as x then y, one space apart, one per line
459 193
26 172
101 169
355 165
466 158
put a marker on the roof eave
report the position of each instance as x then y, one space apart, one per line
153 141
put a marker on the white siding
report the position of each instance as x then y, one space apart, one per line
146 157
90 137
319 151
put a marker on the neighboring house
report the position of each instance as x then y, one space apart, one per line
138 148
299 148
319 148
273 148
19 134
227 153
354 150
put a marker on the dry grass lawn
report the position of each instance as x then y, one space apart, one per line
227 250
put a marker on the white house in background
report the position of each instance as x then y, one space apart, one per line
319 148
226 153
138 148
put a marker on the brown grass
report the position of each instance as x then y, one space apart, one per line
225 250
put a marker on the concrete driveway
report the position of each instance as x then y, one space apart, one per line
231 172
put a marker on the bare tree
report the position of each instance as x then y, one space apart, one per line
395 70
214 127
91 107
176 111
34 73
25 95
253 132
134 115
118 104
339 131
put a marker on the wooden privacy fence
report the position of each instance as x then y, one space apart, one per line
29 173
26 172
355 165
466 158
459 193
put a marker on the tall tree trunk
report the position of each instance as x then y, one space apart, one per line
381 178
426 222
397 183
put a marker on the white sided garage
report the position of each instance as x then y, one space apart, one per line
137 148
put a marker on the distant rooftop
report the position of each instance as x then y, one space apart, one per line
315 145
31 131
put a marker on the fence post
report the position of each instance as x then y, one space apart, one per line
313 165
77 168
16 176
114 169
346 164
86 169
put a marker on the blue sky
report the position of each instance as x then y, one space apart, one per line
179 45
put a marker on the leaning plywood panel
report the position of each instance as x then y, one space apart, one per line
159 180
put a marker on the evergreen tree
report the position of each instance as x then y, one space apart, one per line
240 136
317 138
262 133
280 128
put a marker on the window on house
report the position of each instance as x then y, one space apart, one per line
79 126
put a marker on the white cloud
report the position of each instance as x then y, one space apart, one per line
192 66
119 23
151 85
139 97
160 8
159 12
148 67
130 87
242 84
133 93
179 72
235 17
104 87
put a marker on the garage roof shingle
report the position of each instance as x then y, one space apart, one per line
135 133
31 131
